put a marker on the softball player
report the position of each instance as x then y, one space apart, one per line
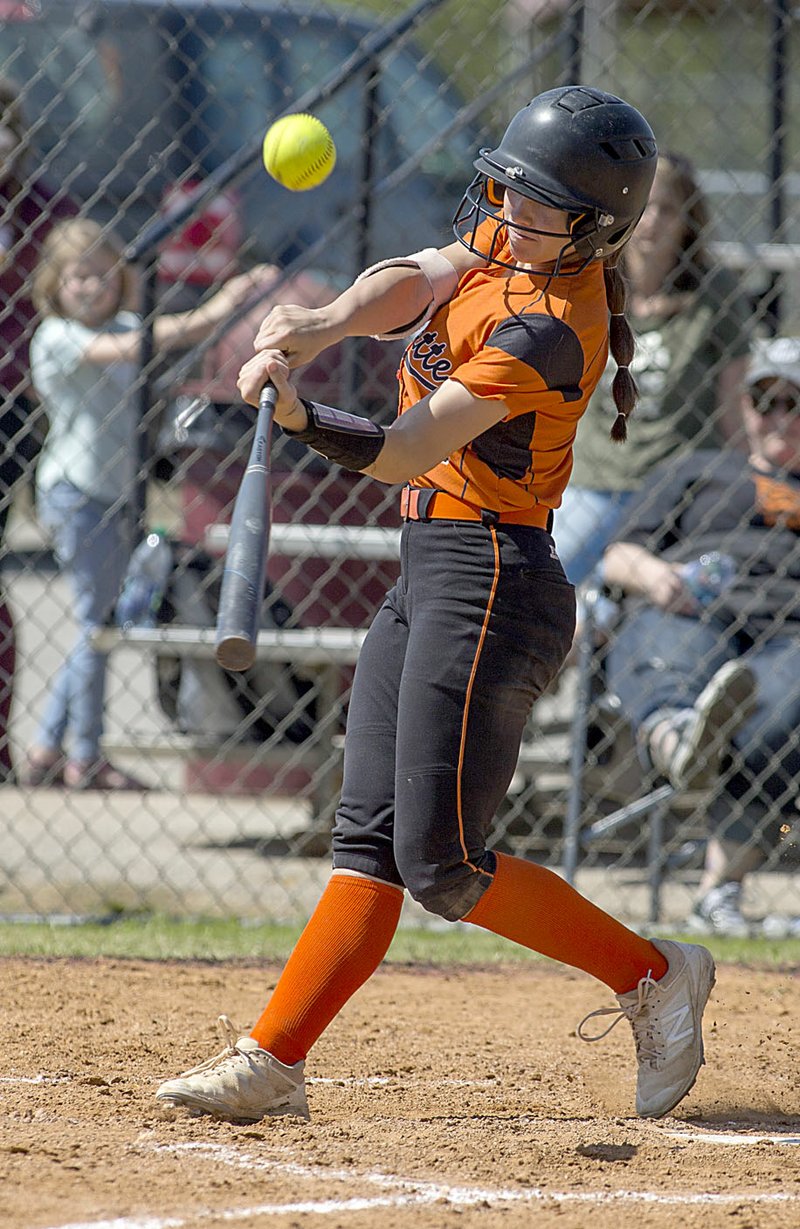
510 336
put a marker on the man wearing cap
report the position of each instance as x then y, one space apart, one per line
706 662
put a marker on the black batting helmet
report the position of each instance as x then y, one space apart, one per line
575 149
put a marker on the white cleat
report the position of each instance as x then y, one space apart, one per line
243 1083
666 1017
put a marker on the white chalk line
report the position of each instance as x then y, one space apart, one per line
740 1138
399 1192
34 1079
402 1081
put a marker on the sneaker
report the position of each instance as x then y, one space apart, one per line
666 1017
780 926
719 912
723 705
100 775
44 769
243 1083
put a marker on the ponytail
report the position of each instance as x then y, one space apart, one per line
622 346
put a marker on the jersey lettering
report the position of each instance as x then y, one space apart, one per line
422 360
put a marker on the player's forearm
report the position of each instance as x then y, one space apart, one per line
418 440
348 440
389 299
396 296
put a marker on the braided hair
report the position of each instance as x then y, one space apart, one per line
622 345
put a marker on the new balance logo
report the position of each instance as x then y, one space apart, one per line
678 1026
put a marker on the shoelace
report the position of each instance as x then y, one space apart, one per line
637 1014
229 1035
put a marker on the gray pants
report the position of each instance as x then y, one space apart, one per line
661 660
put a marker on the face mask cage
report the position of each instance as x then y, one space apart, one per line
483 200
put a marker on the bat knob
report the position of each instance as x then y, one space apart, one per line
235 653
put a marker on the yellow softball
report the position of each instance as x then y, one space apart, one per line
299 152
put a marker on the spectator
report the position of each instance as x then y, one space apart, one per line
711 681
28 208
84 365
691 326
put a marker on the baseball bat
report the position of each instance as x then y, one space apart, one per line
245 572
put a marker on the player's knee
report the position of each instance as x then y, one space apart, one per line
449 892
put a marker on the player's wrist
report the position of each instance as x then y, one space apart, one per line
294 419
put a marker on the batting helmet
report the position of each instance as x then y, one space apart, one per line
575 149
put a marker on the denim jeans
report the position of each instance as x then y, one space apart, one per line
584 525
92 546
660 660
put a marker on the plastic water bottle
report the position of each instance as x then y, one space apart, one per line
145 582
709 576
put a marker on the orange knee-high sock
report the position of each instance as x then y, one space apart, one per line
346 938
538 909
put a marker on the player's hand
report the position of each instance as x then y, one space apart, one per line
271 367
300 333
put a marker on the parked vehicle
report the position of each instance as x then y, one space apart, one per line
130 98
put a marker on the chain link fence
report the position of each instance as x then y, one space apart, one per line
147 118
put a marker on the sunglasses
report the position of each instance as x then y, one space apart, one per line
494 193
765 404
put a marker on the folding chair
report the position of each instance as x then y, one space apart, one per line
652 806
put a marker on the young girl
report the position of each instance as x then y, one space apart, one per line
491 390
84 364
29 207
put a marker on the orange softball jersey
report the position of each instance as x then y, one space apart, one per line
539 345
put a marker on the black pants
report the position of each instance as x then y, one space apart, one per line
21 436
473 632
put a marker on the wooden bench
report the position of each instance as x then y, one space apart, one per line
319 653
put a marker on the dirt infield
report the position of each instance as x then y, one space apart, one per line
438 1099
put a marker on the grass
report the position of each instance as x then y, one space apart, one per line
153 937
